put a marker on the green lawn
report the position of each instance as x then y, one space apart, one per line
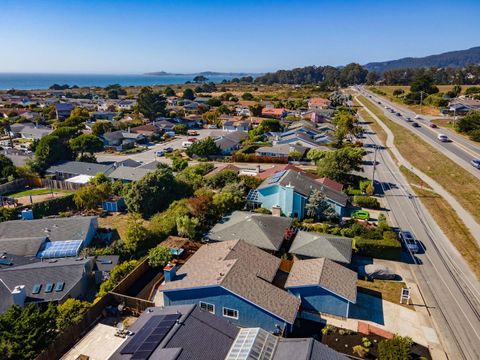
42 191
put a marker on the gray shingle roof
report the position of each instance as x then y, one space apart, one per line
263 231
199 335
27 246
56 229
242 269
128 173
305 349
326 274
316 245
79 168
304 185
69 271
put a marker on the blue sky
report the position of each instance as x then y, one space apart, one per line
106 36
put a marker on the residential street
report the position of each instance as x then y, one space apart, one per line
460 150
447 285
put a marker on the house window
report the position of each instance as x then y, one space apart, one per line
230 313
208 307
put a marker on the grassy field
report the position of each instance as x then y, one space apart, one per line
448 220
425 109
389 289
118 222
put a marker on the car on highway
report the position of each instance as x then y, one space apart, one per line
433 126
409 241
168 149
186 144
160 153
408 119
418 117
192 133
415 124
475 163
192 140
443 138
398 114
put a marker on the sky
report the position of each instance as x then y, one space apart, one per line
138 36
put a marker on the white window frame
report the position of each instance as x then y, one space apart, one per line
206 307
230 309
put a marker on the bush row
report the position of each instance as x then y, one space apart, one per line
53 206
259 159
387 248
366 201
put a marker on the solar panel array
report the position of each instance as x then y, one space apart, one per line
277 176
252 195
58 249
144 343
253 344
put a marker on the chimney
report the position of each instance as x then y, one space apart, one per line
19 295
128 130
276 210
170 272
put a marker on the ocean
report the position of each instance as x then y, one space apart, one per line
44 81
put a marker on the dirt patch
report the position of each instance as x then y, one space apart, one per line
388 290
25 200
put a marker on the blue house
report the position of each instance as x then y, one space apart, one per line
323 287
233 280
290 190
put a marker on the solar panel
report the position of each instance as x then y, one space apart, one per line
57 249
147 339
49 288
277 176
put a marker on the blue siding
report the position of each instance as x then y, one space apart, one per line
315 298
249 314
91 233
290 204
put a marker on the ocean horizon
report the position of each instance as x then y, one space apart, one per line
42 81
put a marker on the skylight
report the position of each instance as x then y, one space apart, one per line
59 286
49 288
36 288
253 344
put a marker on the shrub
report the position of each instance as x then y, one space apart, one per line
7 214
159 256
360 350
397 348
387 248
261 210
53 206
366 201
474 135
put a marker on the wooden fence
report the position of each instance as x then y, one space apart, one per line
12 186
60 184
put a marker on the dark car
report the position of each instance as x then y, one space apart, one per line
168 149
414 124
475 163
409 241
398 114
433 126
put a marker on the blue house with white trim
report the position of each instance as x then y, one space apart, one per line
233 280
290 190
323 287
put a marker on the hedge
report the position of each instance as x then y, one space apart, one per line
53 206
388 248
259 159
366 201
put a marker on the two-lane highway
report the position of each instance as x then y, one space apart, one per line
448 286
460 150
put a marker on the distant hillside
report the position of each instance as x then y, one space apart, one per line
453 59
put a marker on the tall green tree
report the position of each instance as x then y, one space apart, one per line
50 150
186 226
154 192
188 94
159 256
151 104
86 143
338 164
71 312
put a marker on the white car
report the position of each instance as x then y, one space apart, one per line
186 144
475 163
418 117
443 138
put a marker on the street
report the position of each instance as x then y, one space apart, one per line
447 285
460 150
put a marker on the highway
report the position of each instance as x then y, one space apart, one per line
460 150
448 287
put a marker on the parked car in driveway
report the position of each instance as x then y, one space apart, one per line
443 138
409 241
475 163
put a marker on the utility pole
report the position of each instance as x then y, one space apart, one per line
374 167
